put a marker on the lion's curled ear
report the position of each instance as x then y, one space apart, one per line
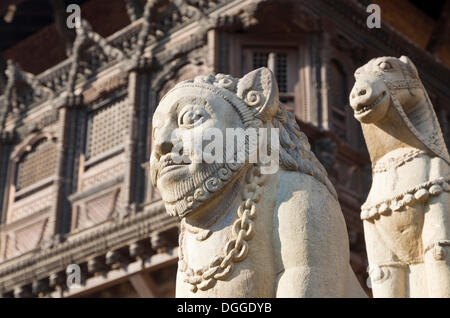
259 89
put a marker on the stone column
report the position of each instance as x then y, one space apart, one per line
75 137
5 174
315 115
4 159
58 185
325 85
144 105
151 194
130 144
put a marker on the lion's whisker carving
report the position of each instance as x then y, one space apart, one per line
235 249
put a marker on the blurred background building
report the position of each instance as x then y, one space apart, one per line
76 108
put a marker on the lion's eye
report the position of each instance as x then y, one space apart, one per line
385 66
190 117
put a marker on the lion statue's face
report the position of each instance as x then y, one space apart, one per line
370 97
182 116
221 103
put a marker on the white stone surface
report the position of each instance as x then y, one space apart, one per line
243 233
407 212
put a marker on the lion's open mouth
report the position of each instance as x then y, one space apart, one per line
361 108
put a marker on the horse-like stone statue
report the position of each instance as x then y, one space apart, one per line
407 212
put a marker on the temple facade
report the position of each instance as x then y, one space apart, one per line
79 217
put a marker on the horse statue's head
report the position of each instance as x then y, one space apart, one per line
371 95
387 84
216 103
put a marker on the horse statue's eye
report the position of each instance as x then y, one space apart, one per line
385 66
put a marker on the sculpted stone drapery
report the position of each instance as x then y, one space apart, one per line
245 233
407 212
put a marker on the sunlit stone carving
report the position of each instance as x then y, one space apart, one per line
407 212
248 231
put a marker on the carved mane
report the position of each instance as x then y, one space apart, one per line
295 151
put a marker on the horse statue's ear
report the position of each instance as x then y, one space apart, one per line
259 89
411 66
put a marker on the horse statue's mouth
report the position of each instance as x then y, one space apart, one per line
362 109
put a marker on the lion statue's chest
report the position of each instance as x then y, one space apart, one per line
254 276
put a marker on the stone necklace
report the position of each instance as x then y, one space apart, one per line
236 248
203 234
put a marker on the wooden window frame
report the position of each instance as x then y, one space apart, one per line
11 194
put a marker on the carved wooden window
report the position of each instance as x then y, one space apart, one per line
278 62
107 127
281 71
36 165
281 60
260 59
338 99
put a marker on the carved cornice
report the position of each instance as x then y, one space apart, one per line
154 28
104 86
126 48
80 247
85 34
171 61
48 118
133 39
22 90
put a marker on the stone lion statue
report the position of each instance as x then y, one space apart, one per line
245 233
407 212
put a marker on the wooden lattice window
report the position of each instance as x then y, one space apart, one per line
260 59
36 165
338 101
107 127
283 61
280 61
281 71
